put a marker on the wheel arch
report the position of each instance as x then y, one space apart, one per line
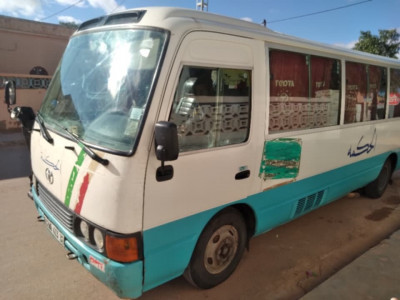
394 159
245 210
245 216
248 216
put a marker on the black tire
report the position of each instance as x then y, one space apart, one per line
376 188
218 250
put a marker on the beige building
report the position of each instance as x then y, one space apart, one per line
29 54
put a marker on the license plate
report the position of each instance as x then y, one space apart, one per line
54 231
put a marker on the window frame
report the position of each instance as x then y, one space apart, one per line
307 53
364 64
205 66
390 91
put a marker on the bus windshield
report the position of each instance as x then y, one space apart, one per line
101 88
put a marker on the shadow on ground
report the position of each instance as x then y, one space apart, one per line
14 156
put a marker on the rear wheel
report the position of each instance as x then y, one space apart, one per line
218 250
376 188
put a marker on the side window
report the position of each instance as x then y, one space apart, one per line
212 107
394 100
325 91
377 89
304 91
365 93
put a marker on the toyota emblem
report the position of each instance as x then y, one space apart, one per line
49 176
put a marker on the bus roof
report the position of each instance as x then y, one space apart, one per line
182 21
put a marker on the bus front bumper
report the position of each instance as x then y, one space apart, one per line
125 279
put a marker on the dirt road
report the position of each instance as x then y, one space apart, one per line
284 263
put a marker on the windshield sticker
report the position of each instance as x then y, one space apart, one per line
73 176
363 146
136 113
281 159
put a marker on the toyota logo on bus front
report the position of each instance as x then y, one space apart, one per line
49 176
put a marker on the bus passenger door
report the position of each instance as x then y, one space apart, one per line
216 97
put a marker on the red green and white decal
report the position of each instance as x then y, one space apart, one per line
83 185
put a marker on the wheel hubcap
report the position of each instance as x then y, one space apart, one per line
221 249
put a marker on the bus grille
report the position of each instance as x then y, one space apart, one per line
307 203
56 208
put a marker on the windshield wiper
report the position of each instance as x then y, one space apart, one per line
85 148
43 130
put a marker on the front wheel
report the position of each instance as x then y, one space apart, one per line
218 250
376 188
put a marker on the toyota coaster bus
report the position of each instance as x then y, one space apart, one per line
169 137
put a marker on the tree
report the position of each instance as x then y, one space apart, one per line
71 25
386 44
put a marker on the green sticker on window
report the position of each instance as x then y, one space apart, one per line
281 159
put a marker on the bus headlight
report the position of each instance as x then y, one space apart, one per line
84 227
98 239
123 248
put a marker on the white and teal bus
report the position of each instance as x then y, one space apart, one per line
169 137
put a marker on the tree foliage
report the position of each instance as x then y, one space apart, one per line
386 44
71 25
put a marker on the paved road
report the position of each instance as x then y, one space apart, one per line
284 263
14 162
373 275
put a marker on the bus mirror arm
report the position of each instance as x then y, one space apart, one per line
167 148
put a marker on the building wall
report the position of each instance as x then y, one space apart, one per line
24 45
30 92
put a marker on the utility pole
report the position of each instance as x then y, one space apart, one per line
202 5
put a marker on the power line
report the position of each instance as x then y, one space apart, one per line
64 9
319 12
72 5
118 5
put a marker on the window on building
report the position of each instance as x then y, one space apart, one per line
394 98
212 107
365 92
38 70
304 90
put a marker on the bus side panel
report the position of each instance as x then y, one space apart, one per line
204 180
282 204
168 248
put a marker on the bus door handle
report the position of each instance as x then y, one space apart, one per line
242 175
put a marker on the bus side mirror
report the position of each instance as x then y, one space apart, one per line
167 148
10 94
166 136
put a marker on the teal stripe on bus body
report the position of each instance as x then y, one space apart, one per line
277 206
168 248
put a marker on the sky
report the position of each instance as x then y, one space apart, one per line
335 22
